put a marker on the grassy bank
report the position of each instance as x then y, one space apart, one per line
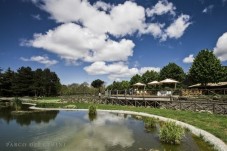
215 124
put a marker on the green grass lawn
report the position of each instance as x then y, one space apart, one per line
213 123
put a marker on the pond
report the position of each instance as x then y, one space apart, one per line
75 130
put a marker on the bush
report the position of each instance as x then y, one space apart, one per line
149 122
92 110
171 133
17 103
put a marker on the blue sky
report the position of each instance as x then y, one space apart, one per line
111 40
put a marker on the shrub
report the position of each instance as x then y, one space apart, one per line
92 110
171 133
17 103
149 122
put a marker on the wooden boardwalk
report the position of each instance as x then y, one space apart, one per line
166 103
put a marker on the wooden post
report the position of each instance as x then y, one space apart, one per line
194 106
213 107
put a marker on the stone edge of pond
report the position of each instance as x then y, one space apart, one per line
218 143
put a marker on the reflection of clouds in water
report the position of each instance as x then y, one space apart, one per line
98 135
59 135
103 118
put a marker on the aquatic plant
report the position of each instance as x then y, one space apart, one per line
171 133
92 110
17 104
149 122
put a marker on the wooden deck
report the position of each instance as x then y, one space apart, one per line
166 103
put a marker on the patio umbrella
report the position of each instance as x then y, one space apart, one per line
169 81
139 85
154 83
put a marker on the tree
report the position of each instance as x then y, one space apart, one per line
7 83
51 83
149 76
23 82
38 85
136 78
97 83
172 71
125 85
206 68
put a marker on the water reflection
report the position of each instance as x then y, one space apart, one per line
103 132
25 119
92 117
75 130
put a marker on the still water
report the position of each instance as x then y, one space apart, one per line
75 130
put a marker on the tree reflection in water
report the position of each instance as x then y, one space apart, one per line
26 119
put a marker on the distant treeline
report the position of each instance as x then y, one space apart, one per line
26 82
78 89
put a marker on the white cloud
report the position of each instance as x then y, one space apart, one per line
120 20
155 29
102 5
144 69
74 43
208 9
221 47
178 27
37 17
116 70
189 59
86 33
41 59
162 7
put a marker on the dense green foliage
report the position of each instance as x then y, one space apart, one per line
206 68
171 133
123 85
136 78
78 89
172 71
149 76
97 84
92 110
26 82
149 122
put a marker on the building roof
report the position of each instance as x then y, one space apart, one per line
210 84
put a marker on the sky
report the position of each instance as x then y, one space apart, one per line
83 40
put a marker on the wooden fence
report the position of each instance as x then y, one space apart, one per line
167 103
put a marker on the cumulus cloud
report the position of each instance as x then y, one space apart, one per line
116 70
41 59
208 9
96 32
162 7
102 5
73 43
189 59
178 27
155 29
121 20
221 47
